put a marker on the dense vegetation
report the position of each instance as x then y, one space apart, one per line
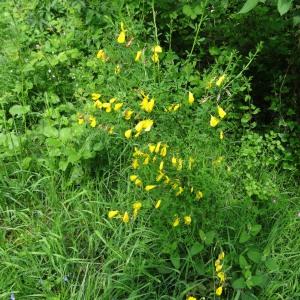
149 150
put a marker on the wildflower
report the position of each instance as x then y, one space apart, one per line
221 276
136 207
80 120
128 133
117 69
191 98
151 147
138 182
147 105
199 195
122 35
163 151
133 177
146 161
125 218
138 152
157 147
112 214
192 189
187 220
174 161
138 55
118 106
167 180
155 57
218 160
191 161
102 55
107 107
93 121
191 298
157 204
214 121
128 114
111 130
221 135
181 189
98 104
176 107
219 268
176 222
143 125
219 291
221 112
220 80
112 100
150 187
161 165
160 176
135 164
154 158
221 255
95 96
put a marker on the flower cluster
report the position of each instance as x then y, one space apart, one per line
220 273
125 217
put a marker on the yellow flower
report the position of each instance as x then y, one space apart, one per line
191 98
135 164
163 151
128 133
122 35
219 291
174 161
150 187
159 176
146 161
138 182
181 189
128 114
136 207
93 121
220 80
161 165
112 100
125 218
157 147
176 222
80 120
138 55
95 96
111 130
143 125
138 152
221 112
118 106
98 104
221 255
155 57
214 121
112 213
217 263
157 204
191 298
221 276
147 105
102 55
187 220
167 180
157 49
221 135
107 107
133 177
176 107
117 69
199 195
219 268
151 147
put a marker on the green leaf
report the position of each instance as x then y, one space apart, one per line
284 6
255 229
259 280
272 265
239 283
19 110
210 237
196 249
243 262
254 255
244 237
296 20
249 5
175 259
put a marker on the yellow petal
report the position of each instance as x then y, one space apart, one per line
221 255
112 213
220 80
150 187
219 268
155 57
221 135
176 222
221 112
137 205
157 49
133 177
125 218
128 114
135 164
214 121
138 182
128 133
191 98
199 195
138 55
187 220
157 204
122 37
219 291
163 151
151 147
